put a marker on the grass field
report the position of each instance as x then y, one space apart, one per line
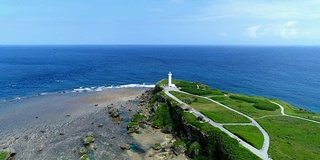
192 87
250 134
212 110
290 110
292 138
244 106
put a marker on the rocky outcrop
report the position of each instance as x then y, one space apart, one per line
84 157
88 139
83 151
133 127
114 112
179 147
157 146
125 146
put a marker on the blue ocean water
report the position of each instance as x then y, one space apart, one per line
287 73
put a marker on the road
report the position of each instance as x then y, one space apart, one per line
284 114
262 153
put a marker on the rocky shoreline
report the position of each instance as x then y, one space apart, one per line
106 125
70 126
157 143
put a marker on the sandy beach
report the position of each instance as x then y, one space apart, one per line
53 126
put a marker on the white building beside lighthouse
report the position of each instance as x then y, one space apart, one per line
170 80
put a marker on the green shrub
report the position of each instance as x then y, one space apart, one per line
259 103
3 155
265 106
218 98
179 146
217 92
131 124
162 117
152 100
243 98
188 100
137 117
194 150
195 99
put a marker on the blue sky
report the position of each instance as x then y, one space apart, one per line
194 22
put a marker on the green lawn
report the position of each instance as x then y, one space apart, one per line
292 138
163 83
244 106
290 110
250 134
212 110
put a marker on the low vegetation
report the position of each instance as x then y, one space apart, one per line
137 117
245 107
3 155
132 124
161 117
194 87
219 141
292 138
258 102
194 149
212 110
290 110
250 134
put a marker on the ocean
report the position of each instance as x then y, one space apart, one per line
288 73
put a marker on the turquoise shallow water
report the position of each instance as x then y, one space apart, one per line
286 73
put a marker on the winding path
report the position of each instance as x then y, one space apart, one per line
262 153
284 114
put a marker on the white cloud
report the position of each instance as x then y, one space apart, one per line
285 30
253 31
271 10
288 29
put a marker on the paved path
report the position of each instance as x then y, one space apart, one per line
237 124
282 112
262 153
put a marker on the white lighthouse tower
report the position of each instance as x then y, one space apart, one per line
170 79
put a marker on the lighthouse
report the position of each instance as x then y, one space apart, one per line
170 79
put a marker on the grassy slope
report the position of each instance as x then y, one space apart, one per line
238 151
245 107
292 138
250 134
213 111
290 110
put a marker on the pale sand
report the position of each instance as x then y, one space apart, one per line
38 122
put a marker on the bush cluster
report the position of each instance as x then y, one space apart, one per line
258 103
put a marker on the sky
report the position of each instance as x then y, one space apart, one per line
160 22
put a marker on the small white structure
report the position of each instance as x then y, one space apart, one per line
170 80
